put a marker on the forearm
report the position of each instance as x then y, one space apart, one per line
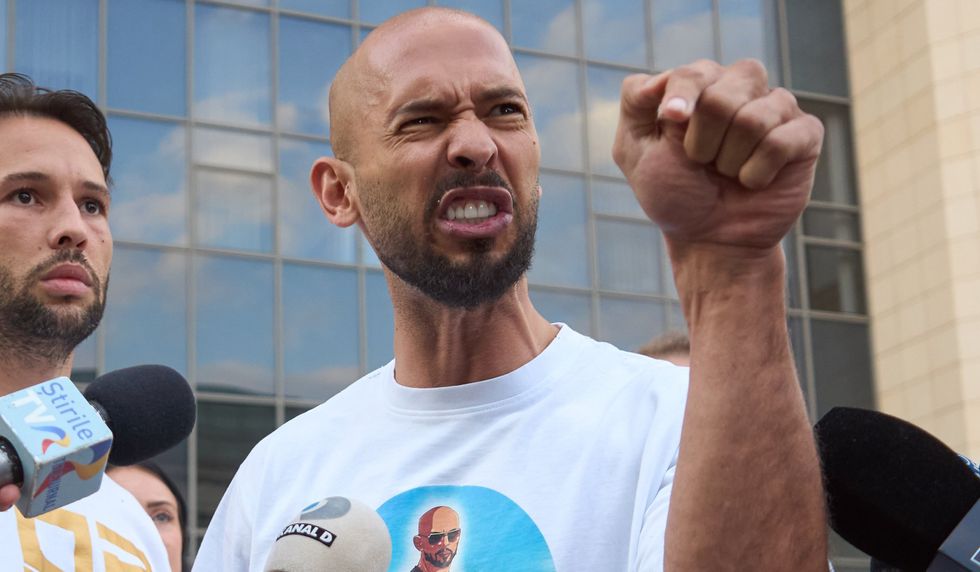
747 492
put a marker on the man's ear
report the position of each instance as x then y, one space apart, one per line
332 181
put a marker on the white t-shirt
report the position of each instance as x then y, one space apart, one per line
105 532
564 464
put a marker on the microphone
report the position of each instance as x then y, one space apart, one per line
336 534
898 493
55 445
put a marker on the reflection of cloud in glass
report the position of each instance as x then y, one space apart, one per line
234 321
561 249
614 30
552 87
310 53
628 324
683 31
315 367
304 231
233 210
149 193
57 44
559 28
748 31
232 71
604 90
232 149
145 317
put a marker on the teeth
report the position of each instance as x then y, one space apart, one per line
471 211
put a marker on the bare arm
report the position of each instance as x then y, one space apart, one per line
725 170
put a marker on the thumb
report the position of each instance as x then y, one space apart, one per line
640 101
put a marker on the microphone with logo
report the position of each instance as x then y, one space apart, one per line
336 534
55 442
898 493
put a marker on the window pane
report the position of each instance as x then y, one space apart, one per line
232 149
840 225
225 434
146 320
173 461
816 46
83 367
683 31
836 279
604 87
147 55
629 256
490 10
295 411
310 53
304 231
553 88
337 8
628 324
616 199
58 44
572 309
368 256
149 198
315 369
748 30
841 364
614 31
380 320
548 25
233 211
834 181
234 325
561 253
231 65
377 11
792 269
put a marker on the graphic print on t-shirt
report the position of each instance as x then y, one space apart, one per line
462 529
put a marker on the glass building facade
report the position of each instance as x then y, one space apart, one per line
226 270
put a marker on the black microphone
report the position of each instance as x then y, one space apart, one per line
148 408
54 445
898 493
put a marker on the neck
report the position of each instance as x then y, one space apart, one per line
438 346
18 372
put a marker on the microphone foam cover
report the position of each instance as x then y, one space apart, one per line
894 491
150 408
336 534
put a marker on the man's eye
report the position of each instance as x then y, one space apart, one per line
93 207
418 121
24 197
508 109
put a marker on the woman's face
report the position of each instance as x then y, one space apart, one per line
158 502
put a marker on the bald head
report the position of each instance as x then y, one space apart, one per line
438 519
360 86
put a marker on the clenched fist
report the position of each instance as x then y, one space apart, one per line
714 156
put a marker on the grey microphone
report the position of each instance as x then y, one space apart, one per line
337 534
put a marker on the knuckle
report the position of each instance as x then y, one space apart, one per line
784 96
752 119
716 103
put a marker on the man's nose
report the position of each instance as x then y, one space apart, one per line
68 228
471 145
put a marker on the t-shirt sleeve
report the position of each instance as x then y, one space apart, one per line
650 553
227 542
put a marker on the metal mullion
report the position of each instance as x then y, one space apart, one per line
253 129
240 254
191 269
782 27
278 320
231 170
648 29
625 218
716 29
822 97
305 137
609 178
119 112
828 206
840 317
101 97
224 4
832 242
804 293
316 17
635 296
236 398
560 289
508 24
562 172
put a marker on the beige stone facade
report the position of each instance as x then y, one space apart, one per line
915 85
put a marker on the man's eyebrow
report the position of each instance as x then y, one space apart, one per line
503 92
39 177
432 104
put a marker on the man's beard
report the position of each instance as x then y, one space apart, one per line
440 559
467 285
32 332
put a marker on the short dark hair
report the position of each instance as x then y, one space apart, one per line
19 96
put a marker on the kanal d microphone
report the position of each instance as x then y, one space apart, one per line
898 493
336 534
45 444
